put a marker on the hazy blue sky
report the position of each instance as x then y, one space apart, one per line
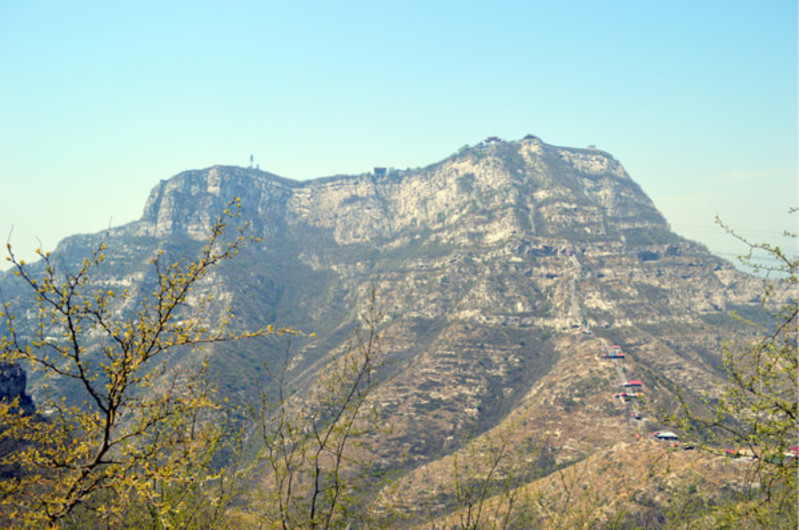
100 100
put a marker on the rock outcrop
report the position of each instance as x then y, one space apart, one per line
12 387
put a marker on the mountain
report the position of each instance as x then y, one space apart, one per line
503 273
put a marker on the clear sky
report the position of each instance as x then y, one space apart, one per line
100 100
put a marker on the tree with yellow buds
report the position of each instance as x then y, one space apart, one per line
757 411
138 448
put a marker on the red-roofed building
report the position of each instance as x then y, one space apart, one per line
633 382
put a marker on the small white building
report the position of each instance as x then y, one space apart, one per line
665 435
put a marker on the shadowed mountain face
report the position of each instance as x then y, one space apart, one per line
502 272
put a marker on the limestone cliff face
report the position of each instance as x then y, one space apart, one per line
499 269
525 187
188 202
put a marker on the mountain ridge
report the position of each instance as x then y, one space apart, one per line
596 164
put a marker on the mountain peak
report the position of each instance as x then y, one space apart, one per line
542 181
